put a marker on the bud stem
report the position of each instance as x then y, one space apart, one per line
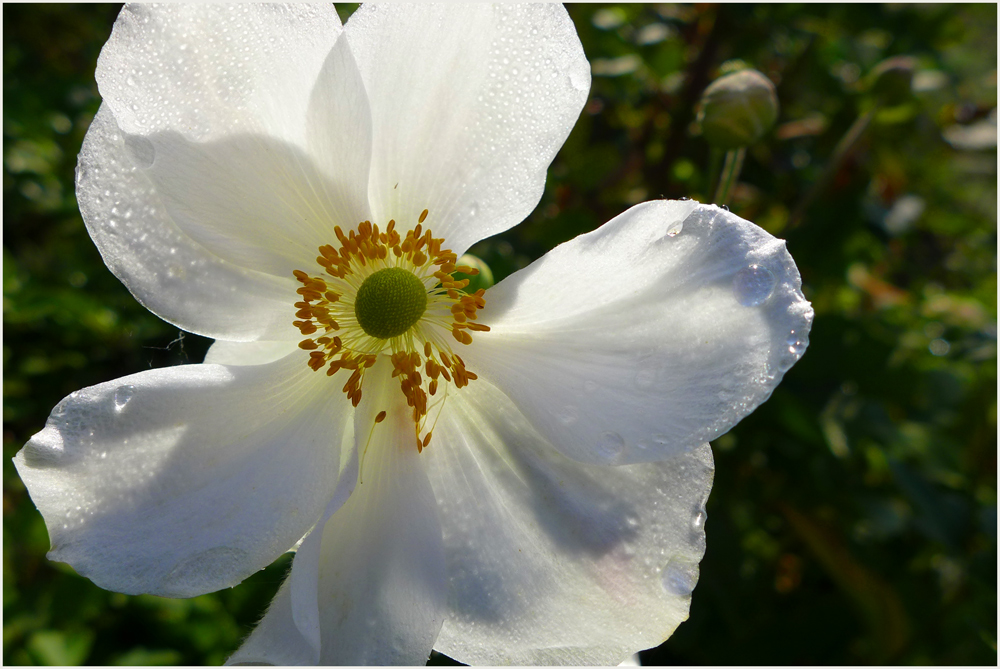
730 173
841 152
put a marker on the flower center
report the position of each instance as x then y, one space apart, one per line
382 293
389 302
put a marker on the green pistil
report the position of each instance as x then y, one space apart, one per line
389 302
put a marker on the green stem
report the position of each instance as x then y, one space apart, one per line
730 173
844 148
714 164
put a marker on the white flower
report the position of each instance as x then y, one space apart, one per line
550 510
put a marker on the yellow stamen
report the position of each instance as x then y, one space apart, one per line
327 306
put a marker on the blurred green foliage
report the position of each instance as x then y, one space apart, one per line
853 518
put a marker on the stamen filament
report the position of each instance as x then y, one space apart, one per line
422 356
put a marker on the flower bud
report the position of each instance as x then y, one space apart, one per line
892 79
737 109
482 280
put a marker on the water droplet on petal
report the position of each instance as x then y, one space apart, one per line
122 396
611 445
753 285
679 577
579 81
698 522
675 229
140 150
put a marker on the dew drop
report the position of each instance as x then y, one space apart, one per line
141 150
611 445
675 229
122 396
679 577
698 522
753 285
795 345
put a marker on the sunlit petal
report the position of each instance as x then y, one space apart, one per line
290 634
551 561
248 353
252 200
382 570
469 105
168 272
184 480
649 336
210 70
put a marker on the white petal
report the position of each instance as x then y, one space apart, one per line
254 201
169 273
381 570
248 353
647 337
266 204
289 633
184 480
469 105
552 561
339 135
276 640
207 70
368 584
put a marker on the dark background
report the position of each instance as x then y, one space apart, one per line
853 518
